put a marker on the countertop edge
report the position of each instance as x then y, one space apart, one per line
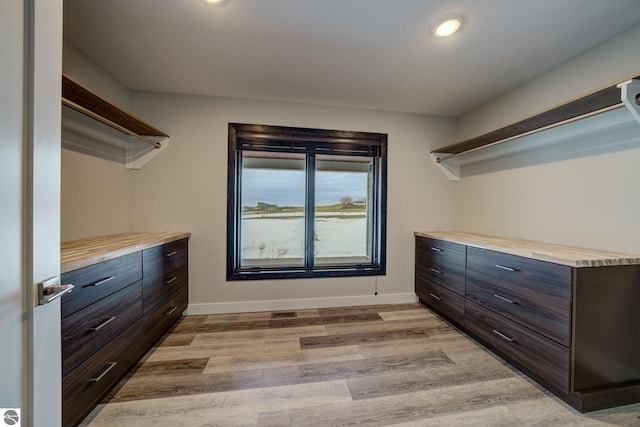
85 252
570 256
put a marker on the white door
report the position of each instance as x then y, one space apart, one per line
31 56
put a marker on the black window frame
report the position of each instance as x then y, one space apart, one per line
311 142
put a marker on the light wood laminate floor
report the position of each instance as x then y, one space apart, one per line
366 366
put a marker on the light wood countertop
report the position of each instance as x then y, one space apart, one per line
81 253
558 254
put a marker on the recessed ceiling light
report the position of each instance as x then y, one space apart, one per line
447 26
218 2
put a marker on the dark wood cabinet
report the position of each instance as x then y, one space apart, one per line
118 309
572 328
440 281
165 290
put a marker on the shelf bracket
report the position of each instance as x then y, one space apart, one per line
448 164
630 94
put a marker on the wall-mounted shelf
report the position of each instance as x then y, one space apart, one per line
95 126
624 94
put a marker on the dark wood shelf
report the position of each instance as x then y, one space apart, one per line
603 99
86 99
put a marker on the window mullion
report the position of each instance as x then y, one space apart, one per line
309 211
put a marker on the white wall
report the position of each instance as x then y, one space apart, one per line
95 192
95 197
613 61
588 199
83 70
185 189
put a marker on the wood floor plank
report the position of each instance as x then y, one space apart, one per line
233 408
152 387
248 325
222 348
262 360
237 317
373 366
361 338
416 313
423 379
179 367
496 416
366 309
445 342
263 335
176 339
348 328
395 409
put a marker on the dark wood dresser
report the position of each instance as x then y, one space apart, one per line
128 291
568 317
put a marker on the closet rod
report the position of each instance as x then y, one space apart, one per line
108 122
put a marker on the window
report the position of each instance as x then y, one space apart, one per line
305 203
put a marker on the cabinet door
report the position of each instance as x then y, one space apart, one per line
158 320
87 331
542 356
442 300
97 281
544 308
441 262
83 388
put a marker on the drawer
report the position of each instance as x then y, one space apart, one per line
543 307
167 257
441 262
160 285
542 356
86 331
99 280
86 385
158 320
442 300
515 269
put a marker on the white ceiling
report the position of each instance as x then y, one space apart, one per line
375 54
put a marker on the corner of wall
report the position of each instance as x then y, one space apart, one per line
84 70
610 62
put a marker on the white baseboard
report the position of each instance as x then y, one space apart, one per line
298 304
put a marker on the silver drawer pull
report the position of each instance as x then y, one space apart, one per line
436 271
110 366
505 299
503 336
504 267
170 281
436 297
433 248
170 254
171 311
103 324
101 282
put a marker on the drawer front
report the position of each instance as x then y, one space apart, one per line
543 307
158 320
87 331
520 270
442 300
441 262
99 280
160 285
546 358
85 386
167 257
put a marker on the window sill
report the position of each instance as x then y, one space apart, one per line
275 273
